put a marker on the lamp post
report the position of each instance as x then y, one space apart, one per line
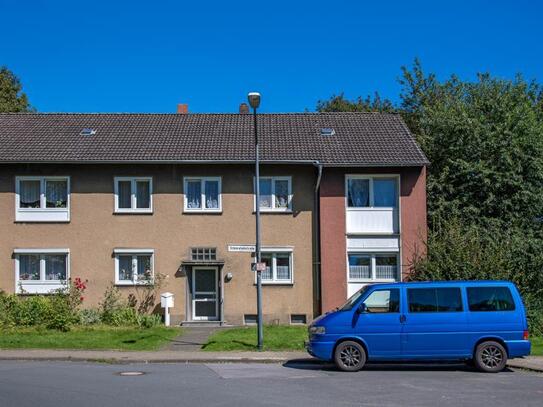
254 102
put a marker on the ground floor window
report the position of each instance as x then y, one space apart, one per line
41 271
134 266
278 267
373 267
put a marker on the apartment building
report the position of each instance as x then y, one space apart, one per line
122 198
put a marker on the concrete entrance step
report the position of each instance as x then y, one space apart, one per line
204 323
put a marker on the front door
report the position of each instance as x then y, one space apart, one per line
205 304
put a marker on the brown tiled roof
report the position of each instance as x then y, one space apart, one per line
361 139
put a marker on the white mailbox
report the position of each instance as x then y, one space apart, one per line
166 300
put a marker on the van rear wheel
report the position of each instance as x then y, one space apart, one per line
350 356
490 357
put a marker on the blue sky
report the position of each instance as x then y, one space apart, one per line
147 56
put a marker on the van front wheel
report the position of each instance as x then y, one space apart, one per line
490 357
350 356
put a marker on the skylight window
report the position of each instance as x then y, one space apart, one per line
88 132
328 131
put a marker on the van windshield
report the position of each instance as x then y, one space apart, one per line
354 298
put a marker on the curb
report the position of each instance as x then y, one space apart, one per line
116 360
525 366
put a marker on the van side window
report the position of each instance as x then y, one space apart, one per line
490 299
447 299
383 301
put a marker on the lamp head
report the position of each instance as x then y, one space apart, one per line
254 99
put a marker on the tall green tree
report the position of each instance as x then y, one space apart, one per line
338 103
12 97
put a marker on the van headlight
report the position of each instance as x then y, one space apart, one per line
317 330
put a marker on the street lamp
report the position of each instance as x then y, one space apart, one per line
254 102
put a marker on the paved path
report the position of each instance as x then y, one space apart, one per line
528 362
54 384
192 339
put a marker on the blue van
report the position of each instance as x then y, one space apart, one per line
480 322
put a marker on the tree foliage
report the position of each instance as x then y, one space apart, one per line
12 97
338 103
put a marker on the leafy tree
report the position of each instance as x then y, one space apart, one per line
338 103
12 98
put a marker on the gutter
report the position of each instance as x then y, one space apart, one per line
316 228
298 162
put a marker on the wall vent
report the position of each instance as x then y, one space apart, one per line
298 319
250 319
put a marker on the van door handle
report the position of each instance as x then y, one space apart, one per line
402 319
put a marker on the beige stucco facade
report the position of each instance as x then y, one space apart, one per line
94 231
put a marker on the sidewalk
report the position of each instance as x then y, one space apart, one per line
529 362
162 356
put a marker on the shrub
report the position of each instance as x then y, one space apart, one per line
110 304
89 316
459 251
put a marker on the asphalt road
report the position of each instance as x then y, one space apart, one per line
56 384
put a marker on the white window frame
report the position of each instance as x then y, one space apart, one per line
288 209
371 178
373 264
274 251
133 195
202 180
41 286
134 253
41 214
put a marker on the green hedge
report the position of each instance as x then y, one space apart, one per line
458 251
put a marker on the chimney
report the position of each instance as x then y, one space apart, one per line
243 108
182 108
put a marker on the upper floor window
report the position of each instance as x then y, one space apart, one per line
275 194
41 271
134 266
133 194
372 191
42 199
202 194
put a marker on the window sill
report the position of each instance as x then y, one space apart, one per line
371 208
203 211
133 284
277 283
42 215
275 211
39 287
133 212
368 281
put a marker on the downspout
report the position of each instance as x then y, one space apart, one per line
316 228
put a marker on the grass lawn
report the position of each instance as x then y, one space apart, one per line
96 337
245 339
537 346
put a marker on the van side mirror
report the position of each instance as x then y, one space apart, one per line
362 308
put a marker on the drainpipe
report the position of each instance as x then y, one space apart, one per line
316 228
